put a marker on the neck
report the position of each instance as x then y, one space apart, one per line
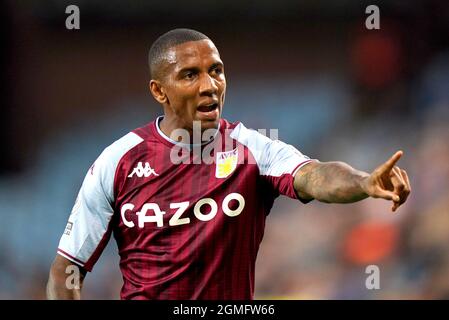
172 130
167 127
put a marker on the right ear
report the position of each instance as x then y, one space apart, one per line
157 91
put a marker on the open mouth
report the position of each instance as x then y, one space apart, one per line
208 108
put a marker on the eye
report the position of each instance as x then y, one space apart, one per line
218 70
189 75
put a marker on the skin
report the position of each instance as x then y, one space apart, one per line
337 182
56 285
194 75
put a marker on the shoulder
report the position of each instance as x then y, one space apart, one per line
121 146
249 137
110 157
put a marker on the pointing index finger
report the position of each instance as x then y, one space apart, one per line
390 163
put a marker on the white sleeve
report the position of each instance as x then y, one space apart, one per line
277 161
89 227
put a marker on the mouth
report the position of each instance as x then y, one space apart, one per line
208 112
208 108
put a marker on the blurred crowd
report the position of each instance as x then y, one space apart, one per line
322 251
376 93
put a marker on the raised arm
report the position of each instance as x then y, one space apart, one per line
338 182
65 280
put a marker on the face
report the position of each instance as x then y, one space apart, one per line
194 85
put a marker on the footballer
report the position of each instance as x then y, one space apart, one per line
191 229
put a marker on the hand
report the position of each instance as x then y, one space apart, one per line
388 182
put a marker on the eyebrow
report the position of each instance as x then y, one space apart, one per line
216 64
196 69
183 70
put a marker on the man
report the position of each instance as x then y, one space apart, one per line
186 227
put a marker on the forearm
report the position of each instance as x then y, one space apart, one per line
65 280
331 182
58 290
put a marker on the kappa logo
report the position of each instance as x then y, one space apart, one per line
226 163
142 171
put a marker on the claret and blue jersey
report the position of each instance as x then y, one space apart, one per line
185 230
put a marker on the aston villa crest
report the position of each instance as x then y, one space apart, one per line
226 163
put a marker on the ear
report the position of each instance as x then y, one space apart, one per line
157 91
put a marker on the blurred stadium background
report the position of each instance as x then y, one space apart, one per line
334 89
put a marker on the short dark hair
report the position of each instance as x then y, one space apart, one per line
166 41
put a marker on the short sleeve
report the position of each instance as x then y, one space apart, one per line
88 229
89 225
278 162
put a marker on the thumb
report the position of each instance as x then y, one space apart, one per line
387 195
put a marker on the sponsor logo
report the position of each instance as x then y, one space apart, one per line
152 213
141 171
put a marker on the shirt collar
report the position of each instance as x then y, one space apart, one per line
184 145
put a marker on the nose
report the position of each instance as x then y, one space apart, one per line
208 85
